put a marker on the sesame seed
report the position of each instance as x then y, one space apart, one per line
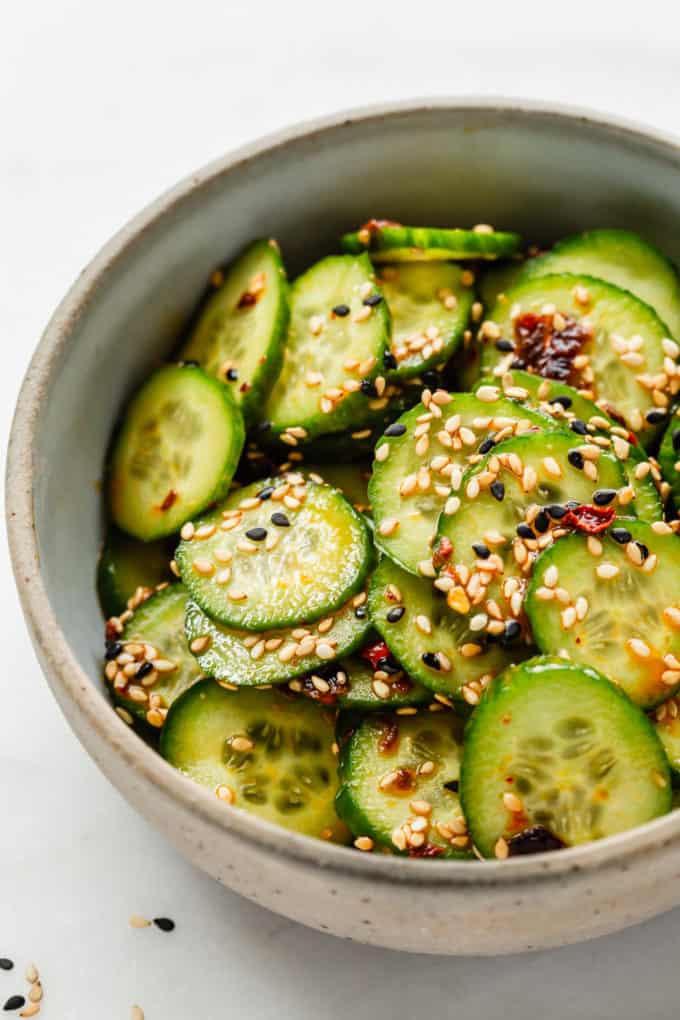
236 595
423 624
488 394
551 576
137 921
552 467
364 843
594 546
606 571
512 802
187 532
204 568
501 849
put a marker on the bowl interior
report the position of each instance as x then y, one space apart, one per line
542 174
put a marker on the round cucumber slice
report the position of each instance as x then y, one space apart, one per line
240 331
338 333
419 464
128 568
258 751
594 335
511 504
430 307
392 242
619 257
569 408
555 755
666 722
436 646
281 552
613 604
177 450
245 659
398 783
150 665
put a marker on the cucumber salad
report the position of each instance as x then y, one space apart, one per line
393 558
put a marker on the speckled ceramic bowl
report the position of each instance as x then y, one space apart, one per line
543 172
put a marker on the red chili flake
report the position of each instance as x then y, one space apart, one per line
375 652
589 519
170 500
110 631
402 685
247 299
374 226
442 552
244 387
389 737
546 351
426 850
633 439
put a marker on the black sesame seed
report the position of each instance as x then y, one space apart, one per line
676 439
389 360
482 551
575 459
578 426
372 300
430 659
232 374
487 445
656 416
395 614
143 670
6 963
360 612
452 785
505 345
266 492
536 840
431 379
256 534
264 426
14 1002
512 630
113 650
341 310
164 923
388 664
565 402
603 497
524 531
556 511
621 535
644 551
368 388
396 429
541 522
280 520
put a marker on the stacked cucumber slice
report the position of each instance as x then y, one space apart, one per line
392 560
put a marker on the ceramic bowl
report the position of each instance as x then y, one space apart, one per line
542 171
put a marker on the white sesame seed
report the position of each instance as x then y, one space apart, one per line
568 617
512 802
606 571
364 843
324 650
225 793
236 595
488 394
187 532
552 467
594 546
501 849
551 576
204 568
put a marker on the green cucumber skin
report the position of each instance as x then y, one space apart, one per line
433 242
528 673
652 328
352 409
167 527
596 250
252 401
669 457
147 564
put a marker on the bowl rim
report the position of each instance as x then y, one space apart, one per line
71 682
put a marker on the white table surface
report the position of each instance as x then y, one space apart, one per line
101 107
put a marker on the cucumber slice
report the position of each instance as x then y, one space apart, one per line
155 654
351 479
497 280
556 755
339 329
365 693
240 331
259 751
609 344
398 779
245 659
619 257
669 457
391 242
430 307
620 600
176 452
129 569
420 461
666 722
435 645
490 541
567 407
280 552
